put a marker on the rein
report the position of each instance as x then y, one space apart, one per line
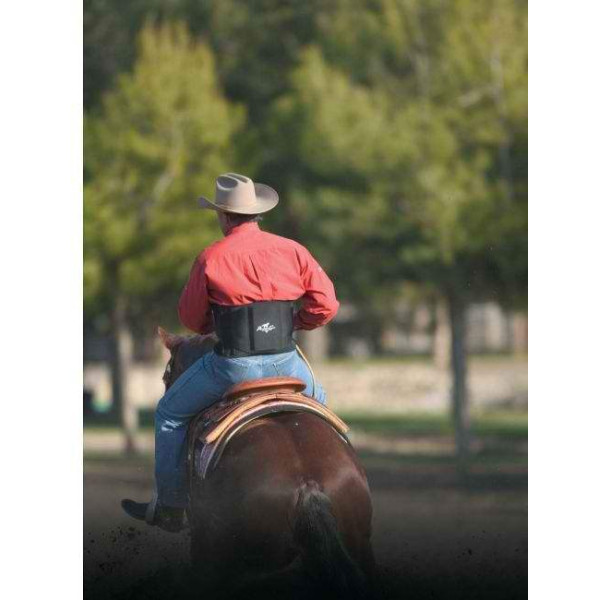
312 373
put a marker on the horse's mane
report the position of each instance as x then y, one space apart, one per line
197 339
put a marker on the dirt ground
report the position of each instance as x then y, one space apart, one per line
433 538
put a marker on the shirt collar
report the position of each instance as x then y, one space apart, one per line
243 228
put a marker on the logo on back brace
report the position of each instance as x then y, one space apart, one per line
265 327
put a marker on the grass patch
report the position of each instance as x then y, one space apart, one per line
506 424
110 420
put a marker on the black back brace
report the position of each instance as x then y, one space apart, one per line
256 328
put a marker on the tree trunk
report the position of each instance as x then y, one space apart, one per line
314 343
460 403
121 359
442 337
519 335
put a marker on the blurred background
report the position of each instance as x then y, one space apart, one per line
395 132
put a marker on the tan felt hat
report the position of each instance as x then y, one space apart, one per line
239 194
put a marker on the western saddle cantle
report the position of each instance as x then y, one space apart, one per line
241 404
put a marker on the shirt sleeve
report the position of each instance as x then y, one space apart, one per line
319 304
194 307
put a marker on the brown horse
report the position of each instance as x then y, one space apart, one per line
287 507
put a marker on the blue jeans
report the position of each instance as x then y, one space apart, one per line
198 387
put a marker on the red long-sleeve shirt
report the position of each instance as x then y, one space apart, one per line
250 265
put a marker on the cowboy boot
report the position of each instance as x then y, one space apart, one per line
168 518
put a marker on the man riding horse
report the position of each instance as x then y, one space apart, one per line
243 288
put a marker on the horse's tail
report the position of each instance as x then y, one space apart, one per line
322 551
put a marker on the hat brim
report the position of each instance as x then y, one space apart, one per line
266 199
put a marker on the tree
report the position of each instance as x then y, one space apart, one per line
159 139
395 131
410 147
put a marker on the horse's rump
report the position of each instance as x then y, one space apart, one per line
288 490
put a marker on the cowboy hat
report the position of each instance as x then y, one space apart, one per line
239 194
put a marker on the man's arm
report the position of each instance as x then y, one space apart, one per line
319 304
194 307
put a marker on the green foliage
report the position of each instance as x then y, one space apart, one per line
257 43
412 120
155 145
394 130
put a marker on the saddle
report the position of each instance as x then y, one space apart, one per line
241 404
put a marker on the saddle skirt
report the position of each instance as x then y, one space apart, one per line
241 404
